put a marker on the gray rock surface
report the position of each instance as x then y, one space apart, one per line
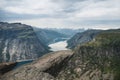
19 42
41 69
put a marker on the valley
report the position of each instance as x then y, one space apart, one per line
59 39
19 40
28 53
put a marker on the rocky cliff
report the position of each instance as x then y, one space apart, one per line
95 60
19 42
45 68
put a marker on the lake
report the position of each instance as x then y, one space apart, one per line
61 45
22 63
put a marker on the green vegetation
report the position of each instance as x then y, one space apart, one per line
107 43
105 40
102 53
25 37
26 34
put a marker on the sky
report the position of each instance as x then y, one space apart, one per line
97 14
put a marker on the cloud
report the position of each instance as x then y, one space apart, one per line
62 13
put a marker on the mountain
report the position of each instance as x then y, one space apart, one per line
86 36
82 37
98 59
48 36
66 31
19 42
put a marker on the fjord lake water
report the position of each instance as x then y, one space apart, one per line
61 45
20 63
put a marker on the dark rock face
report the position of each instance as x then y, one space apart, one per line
81 38
19 42
6 67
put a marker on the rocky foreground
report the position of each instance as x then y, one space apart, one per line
45 68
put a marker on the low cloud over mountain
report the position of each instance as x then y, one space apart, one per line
62 13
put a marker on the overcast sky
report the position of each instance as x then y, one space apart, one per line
102 14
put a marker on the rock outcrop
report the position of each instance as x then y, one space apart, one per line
19 42
45 68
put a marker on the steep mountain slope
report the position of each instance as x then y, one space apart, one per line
19 42
45 68
81 38
48 36
67 31
95 60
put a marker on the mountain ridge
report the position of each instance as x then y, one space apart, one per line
19 41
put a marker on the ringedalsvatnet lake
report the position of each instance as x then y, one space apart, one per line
61 45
